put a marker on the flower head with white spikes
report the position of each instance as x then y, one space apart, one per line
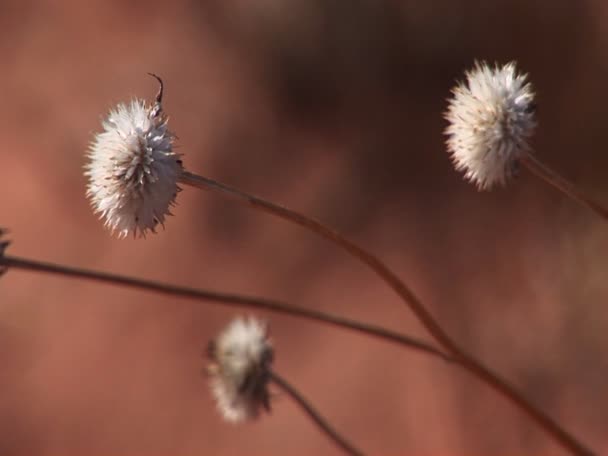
132 169
491 117
240 358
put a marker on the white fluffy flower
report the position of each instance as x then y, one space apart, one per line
132 168
491 118
240 357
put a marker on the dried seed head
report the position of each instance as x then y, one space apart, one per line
240 357
3 245
132 168
491 118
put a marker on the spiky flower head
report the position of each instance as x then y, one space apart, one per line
491 117
240 358
132 168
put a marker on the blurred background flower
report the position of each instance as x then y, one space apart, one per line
334 108
239 359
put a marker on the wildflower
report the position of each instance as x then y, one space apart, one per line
491 118
132 169
241 356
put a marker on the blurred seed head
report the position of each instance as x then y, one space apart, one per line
240 358
132 168
491 117
3 245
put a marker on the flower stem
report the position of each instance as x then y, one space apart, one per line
226 299
333 236
460 356
541 170
321 422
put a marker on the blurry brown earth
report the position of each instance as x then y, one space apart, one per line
333 108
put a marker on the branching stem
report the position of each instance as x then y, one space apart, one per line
461 357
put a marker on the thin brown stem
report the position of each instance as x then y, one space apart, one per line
226 299
321 422
541 170
328 233
561 436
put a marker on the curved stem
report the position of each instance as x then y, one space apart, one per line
321 422
226 299
466 361
542 171
328 233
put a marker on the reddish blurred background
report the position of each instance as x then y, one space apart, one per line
333 108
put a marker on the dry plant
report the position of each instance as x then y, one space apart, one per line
134 178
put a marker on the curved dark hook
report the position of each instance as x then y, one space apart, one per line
159 95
